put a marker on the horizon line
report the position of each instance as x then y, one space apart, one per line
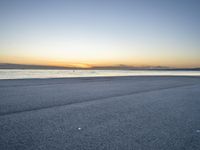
100 67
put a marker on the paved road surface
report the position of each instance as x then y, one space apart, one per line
106 113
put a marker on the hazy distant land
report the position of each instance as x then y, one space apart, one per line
117 67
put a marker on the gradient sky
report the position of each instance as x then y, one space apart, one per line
100 32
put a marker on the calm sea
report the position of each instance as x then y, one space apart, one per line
22 74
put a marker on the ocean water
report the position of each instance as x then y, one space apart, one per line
22 74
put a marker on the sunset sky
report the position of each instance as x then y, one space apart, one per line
87 33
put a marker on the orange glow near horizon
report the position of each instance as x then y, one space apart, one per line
104 63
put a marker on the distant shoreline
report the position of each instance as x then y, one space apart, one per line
118 67
190 69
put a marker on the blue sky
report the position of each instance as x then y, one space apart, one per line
101 32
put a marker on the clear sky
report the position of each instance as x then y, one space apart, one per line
100 32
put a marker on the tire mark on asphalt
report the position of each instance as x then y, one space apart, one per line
92 100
